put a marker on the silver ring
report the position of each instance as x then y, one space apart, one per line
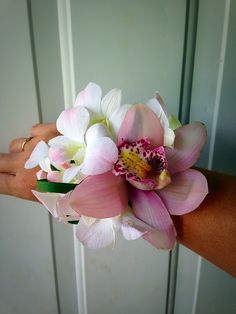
25 141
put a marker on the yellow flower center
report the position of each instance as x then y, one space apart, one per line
135 163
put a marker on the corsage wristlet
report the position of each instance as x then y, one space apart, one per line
120 168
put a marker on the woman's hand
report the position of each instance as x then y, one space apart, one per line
15 180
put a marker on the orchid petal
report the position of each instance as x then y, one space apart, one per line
70 174
49 200
158 182
41 175
117 116
59 142
45 164
169 137
143 184
100 156
189 141
111 102
148 207
95 131
141 122
55 176
90 98
185 193
73 123
132 228
100 196
40 152
58 155
159 240
156 107
98 235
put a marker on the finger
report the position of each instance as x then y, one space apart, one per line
9 162
7 183
41 128
15 145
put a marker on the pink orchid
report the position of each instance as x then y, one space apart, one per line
156 178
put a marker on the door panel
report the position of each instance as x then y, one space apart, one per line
27 282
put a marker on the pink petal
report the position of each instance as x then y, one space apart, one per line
58 155
157 182
98 235
148 207
185 193
41 175
132 228
100 196
141 122
189 141
49 200
159 240
143 184
55 176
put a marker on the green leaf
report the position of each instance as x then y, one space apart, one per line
174 122
55 187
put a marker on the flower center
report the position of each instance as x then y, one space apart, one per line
136 161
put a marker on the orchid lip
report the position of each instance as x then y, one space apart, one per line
138 162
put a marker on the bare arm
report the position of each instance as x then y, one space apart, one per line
210 230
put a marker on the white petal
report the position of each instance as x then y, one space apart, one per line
157 108
117 117
100 156
45 164
73 123
111 102
70 174
40 152
59 141
100 234
95 131
88 220
169 137
90 98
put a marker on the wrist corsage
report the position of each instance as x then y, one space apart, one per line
120 168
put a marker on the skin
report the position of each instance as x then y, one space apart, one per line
209 231
15 180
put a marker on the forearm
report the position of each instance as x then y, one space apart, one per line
210 230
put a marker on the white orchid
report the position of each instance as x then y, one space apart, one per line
91 151
107 110
80 151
